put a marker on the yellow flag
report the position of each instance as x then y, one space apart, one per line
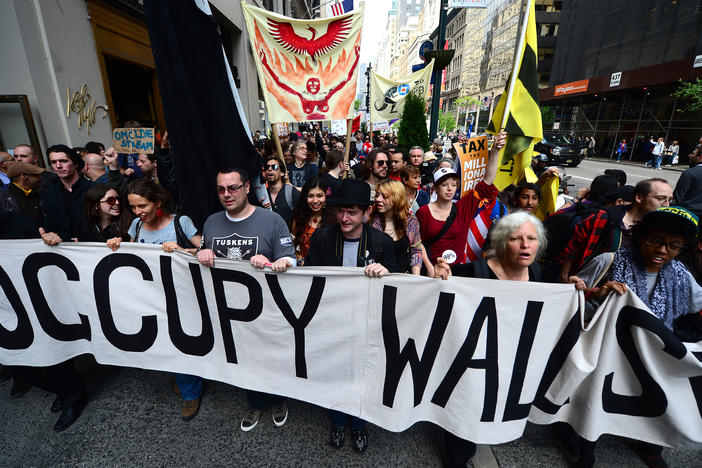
523 125
549 195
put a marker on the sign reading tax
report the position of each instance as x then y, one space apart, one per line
473 155
133 140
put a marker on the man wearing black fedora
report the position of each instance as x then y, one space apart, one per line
350 242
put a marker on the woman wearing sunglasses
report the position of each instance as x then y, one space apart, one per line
309 214
106 218
155 224
650 269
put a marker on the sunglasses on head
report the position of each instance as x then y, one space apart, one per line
110 200
272 167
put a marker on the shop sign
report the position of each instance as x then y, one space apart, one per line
698 62
615 79
571 88
80 103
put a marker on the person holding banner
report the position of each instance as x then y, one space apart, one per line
106 218
391 215
516 240
351 243
155 224
650 269
247 232
444 225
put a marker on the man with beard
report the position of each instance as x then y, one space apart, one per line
375 170
283 197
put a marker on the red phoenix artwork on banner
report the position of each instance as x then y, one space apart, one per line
307 69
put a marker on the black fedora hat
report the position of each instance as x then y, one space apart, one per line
352 192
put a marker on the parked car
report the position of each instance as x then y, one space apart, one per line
560 151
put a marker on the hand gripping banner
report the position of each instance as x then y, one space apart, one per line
388 97
307 68
477 357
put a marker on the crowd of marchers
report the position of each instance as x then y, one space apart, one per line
387 209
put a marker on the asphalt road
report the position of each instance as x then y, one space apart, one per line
590 168
133 419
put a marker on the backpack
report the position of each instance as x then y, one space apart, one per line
560 227
181 239
287 192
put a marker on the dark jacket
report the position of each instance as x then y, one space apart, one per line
63 210
327 248
17 226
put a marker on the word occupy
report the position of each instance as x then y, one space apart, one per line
478 357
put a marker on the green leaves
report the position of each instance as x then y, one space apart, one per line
690 93
413 123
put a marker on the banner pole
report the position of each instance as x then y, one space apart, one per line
278 147
515 67
349 124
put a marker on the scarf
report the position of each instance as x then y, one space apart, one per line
671 294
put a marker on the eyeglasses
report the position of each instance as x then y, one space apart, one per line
662 198
231 189
112 201
381 163
272 167
658 242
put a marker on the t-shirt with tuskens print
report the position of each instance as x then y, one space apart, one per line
263 232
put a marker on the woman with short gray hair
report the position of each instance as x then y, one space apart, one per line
517 240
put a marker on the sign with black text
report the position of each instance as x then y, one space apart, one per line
477 357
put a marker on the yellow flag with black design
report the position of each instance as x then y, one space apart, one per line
523 125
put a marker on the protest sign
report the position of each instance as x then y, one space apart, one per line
389 96
473 156
307 68
283 129
133 140
338 127
477 357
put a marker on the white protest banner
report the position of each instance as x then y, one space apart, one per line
133 140
380 126
469 355
388 96
473 156
338 127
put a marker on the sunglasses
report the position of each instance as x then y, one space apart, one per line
272 167
112 201
382 163
231 189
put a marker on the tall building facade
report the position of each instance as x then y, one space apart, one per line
615 68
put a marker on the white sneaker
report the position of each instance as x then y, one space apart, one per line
250 419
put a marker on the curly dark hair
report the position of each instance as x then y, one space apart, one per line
302 212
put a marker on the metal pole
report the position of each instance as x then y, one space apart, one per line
619 124
638 125
517 64
434 122
670 120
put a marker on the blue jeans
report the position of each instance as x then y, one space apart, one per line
657 161
190 386
341 419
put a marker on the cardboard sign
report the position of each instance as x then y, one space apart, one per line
338 127
283 129
473 155
133 140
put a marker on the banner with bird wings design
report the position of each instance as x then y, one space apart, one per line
307 68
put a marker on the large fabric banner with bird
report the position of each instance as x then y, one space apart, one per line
388 97
523 123
307 68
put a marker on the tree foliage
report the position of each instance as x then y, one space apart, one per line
413 123
447 121
690 93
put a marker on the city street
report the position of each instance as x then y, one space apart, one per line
133 419
590 168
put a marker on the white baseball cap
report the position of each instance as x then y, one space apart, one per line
444 172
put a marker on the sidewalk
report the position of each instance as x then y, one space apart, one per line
625 162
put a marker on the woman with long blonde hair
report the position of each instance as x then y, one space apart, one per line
391 215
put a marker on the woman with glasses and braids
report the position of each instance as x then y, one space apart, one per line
106 218
650 269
